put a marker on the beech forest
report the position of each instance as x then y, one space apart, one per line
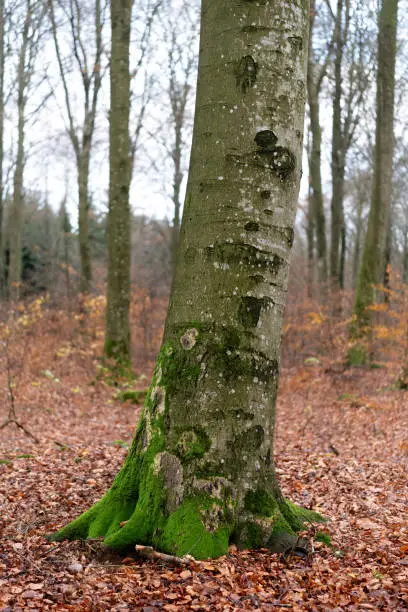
203 305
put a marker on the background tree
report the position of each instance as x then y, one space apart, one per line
2 105
117 339
373 262
79 16
28 52
181 64
200 471
316 71
351 79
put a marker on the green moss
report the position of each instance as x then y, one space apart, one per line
192 444
322 536
185 533
248 536
121 443
357 355
180 369
123 503
132 395
260 503
303 515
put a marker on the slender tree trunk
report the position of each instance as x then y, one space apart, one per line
317 205
16 216
90 70
310 231
357 245
338 153
65 232
200 472
373 263
2 65
387 261
405 258
83 223
177 179
343 252
117 341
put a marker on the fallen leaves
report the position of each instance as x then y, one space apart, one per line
362 564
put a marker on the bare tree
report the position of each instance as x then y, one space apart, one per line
372 266
77 15
2 65
28 53
316 72
351 78
183 31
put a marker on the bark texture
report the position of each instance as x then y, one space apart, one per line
2 66
200 472
315 75
16 213
117 341
338 157
373 262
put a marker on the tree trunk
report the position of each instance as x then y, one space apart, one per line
338 153
117 340
16 215
373 263
200 472
91 70
357 244
405 258
310 231
2 65
177 179
83 223
317 205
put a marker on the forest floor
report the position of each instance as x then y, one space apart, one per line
341 449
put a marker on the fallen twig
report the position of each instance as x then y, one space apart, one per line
149 553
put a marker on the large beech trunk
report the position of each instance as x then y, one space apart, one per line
200 472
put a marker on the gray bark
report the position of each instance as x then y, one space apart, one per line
117 340
16 214
373 263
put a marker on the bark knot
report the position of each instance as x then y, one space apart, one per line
189 338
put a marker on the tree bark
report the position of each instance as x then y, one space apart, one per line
317 205
16 215
359 231
117 339
373 263
338 152
200 471
2 66
83 223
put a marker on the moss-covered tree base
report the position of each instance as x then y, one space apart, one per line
202 526
173 495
